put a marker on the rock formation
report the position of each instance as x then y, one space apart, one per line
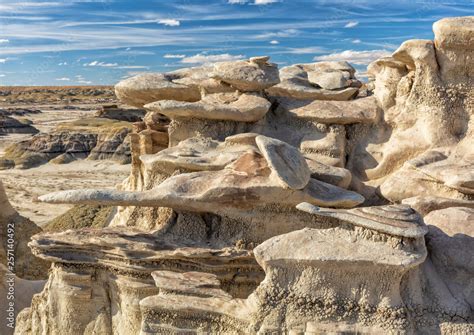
10 125
115 112
22 274
271 204
92 138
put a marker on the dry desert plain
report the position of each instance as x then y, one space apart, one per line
58 105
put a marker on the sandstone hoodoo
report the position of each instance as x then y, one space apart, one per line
266 201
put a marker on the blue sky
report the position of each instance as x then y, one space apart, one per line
101 42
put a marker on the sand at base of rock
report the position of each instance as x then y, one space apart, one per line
24 186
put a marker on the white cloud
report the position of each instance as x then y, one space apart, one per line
274 42
3 40
265 2
169 22
306 50
63 79
355 57
351 24
132 67
173 56
204 59
84 82
2 60
101 64
256 2
282 33
356 41
2 75
62 64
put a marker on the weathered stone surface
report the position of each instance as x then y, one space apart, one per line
195 154
329 174
285 161
398 220
333 112
231 192
330 80
145 88
453 220
219 106
253 75
454 44
302 91
114 112
300 81
244 184
427 204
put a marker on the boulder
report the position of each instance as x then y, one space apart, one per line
145 88
286 162
255 74
331 80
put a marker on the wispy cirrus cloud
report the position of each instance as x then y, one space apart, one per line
265 2
100 64
63 79
304 50
281 33
206 59
351 24
255 2
174 56
355 57
169 22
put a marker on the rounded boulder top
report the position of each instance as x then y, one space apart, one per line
286 162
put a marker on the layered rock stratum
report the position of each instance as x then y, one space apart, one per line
282 202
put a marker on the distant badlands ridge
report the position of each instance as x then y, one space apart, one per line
56 95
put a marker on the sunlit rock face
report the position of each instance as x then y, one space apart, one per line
281 202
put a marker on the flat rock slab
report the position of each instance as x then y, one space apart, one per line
145 88
317 246
220 106
304 91
189 283
195 154
134 250
397 220
454 173
286 161
309 82
363 110
245 184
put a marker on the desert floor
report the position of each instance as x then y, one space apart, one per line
24 186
